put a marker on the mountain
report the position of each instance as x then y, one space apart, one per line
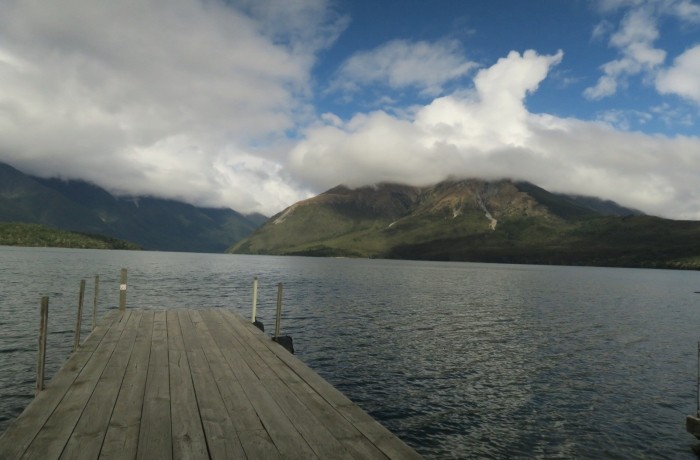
475 220
36 235
152 223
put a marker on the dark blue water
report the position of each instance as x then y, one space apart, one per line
460 360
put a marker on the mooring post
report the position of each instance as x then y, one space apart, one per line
254 318
94 302
79 320
255 299
122 291
278 318
697 386
41 357
284 340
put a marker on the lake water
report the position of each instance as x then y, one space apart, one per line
460 360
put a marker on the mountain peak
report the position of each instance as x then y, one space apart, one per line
474 220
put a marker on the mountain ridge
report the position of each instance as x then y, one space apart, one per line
475 220
152 223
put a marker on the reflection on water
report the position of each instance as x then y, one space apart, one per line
460 360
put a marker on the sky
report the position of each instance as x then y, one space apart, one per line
257 104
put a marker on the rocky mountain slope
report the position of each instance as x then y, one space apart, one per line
475 220
152 223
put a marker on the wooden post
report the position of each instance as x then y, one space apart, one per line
79 320
41 357
697 388
279 310
94 302
255 298
122 291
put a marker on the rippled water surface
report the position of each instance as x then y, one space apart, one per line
460 360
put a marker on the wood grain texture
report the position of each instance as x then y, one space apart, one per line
191 384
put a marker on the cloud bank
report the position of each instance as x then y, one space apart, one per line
174 98
402 63
211 102
489 133
635 40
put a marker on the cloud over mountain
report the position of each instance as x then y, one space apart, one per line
489 133
223 103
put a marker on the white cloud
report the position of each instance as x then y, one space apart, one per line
304 26
193 99
490 134
158 96
683 78
401 63
634 41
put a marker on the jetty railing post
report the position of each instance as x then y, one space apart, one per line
94 302
79 320
255 299
122 291
278 318
41 356
697 387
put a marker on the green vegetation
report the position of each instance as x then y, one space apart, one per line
35 235
448 222
152 223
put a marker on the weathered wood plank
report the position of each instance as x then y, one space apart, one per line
376 433
188 434
222 440
256 442
51 440
328 417
193 384
281 429
155 436
352 440
314 432
121 440
17 437
86 440
238 405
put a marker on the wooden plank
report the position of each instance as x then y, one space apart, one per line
188 434
324 414
121 440
95 337
222 440
155 436
387 442
17 437
260 370
86 440
41 357
221 335
238 405
258 444
314 432
255 440
281 429
195 384
51 440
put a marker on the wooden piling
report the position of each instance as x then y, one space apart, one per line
255 299
41 356
122 290
79 320
94 302
278 317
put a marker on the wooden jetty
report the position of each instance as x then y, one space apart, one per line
162 384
